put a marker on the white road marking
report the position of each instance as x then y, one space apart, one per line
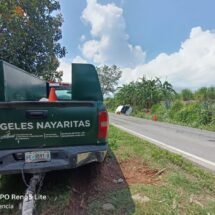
176 150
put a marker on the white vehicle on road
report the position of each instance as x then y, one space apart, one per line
123 109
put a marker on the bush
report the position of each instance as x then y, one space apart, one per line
189 113
177 106
155 108
205 116
161 112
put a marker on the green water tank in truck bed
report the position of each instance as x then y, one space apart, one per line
18 85
44 136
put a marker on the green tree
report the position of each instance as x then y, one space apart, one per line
187 94
149 91
167 92
211 93
205 94
144 93
109 77
29 35
127 94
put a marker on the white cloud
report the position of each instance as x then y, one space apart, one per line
78 59
66 67
193 65
109 44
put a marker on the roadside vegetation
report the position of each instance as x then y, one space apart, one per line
176 186
136 178
150 98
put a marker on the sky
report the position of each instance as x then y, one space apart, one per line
170 39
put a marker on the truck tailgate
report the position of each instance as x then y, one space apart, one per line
47 124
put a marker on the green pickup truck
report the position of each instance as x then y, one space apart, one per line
40 136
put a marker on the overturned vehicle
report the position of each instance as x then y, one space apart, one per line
124 109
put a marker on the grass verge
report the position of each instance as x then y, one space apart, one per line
164 117
180 188
183 188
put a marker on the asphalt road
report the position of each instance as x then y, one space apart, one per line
195 144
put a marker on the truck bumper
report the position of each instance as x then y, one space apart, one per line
61 158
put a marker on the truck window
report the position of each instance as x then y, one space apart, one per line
64 94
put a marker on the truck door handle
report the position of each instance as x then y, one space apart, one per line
36 114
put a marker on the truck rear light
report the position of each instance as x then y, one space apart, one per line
103 125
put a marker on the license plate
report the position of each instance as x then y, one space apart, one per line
37 156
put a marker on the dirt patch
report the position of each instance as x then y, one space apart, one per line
135 172
132 171
92 180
